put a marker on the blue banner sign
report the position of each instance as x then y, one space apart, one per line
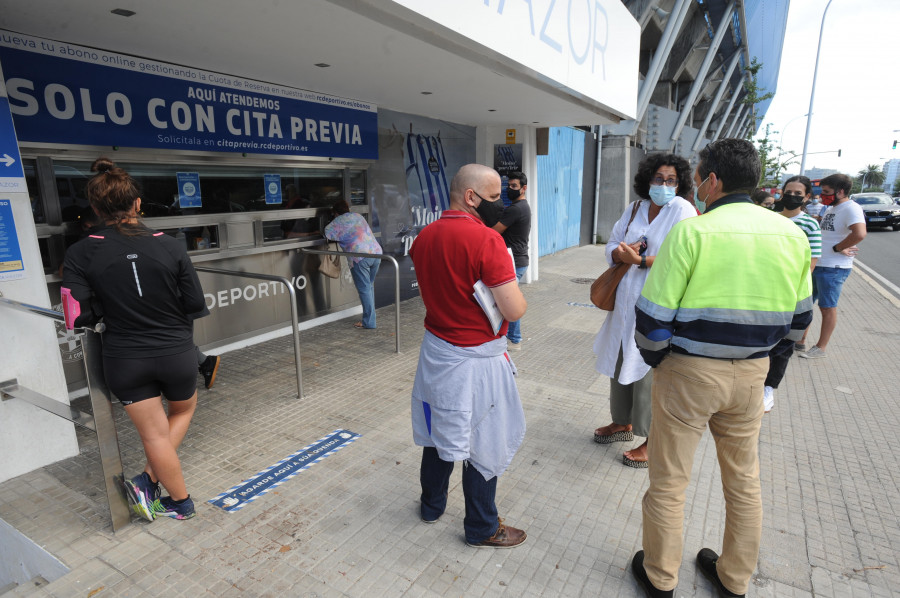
11 265
67 94
273 188
12 178
240 496
189 189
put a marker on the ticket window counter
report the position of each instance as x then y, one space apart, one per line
239 217
235 209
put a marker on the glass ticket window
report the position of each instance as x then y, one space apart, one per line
357 187
209 206
196 238
214 189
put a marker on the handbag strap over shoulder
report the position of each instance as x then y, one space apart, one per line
634 211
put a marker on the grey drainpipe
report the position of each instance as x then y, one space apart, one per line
598 131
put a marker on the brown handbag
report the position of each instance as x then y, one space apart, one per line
603 290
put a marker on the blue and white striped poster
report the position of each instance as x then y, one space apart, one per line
237 497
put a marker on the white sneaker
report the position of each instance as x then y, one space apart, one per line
814 353
769 398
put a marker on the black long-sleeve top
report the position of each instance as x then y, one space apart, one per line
143 286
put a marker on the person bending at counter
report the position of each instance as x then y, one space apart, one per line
352 233
143 285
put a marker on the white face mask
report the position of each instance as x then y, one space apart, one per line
701 205
661 194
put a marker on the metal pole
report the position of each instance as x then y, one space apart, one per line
102 422
295 322
376 256
32 309
744 126
737 119
724 118
599 132
673 26
812 93
107 438
396 302
781 141
718 98
700 79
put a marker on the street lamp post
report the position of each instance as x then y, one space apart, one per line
781 141
812 93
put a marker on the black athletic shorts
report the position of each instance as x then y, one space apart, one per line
138 379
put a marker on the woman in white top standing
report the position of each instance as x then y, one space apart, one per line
662 181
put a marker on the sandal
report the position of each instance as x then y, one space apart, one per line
620 436
635 463
358 325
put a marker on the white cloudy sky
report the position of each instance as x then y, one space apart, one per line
857 99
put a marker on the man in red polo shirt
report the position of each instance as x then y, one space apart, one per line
465 404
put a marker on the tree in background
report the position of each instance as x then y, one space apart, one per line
755 94
871 178
897 186
773 159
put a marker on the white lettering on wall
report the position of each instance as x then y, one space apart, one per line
234 295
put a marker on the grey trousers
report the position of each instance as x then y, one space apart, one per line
630 403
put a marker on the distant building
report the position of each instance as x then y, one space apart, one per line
820 173
891 174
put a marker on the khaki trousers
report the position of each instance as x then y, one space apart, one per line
690 393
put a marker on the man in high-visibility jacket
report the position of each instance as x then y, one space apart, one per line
724 289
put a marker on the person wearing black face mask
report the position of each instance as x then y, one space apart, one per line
796 191
490 211
514 224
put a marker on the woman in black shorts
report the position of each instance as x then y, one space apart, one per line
143 285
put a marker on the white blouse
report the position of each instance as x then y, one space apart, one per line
618 328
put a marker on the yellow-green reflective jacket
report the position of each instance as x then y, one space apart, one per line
728 285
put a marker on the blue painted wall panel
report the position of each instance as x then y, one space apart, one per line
560 176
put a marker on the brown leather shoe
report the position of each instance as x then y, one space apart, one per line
504 537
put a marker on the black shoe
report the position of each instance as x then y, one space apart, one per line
209 368
706 560
640 574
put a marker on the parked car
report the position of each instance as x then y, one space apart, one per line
880 209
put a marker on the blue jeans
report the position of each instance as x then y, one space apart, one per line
514 334
480 522
364 278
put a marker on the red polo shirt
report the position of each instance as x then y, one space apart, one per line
450 255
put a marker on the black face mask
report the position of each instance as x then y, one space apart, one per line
791 202
490 211
513 194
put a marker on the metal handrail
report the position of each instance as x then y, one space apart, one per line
32 309
295 321
380 257
102 421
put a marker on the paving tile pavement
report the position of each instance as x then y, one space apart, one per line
349 525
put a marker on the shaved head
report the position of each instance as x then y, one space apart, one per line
477 177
